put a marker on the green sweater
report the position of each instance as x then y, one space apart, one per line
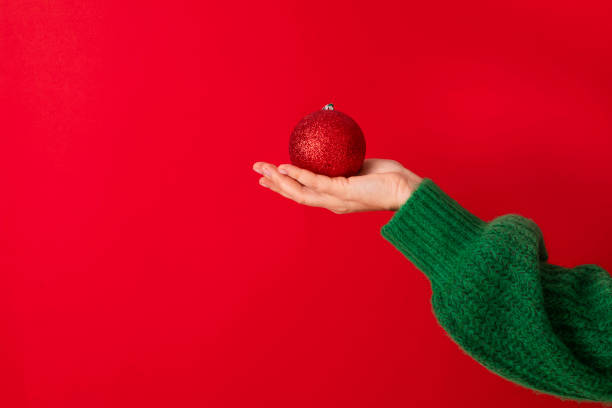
546 327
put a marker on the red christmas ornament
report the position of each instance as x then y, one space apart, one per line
327 142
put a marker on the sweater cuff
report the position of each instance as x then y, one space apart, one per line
432 230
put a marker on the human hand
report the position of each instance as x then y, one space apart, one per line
380 185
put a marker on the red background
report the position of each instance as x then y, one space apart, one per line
144 265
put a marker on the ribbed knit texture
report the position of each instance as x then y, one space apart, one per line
546 327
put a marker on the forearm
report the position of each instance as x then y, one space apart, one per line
494 293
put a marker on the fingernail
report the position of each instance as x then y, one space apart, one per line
263 182
282 170
266 172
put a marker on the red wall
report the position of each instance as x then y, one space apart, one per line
145 266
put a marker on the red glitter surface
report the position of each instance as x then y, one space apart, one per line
328 142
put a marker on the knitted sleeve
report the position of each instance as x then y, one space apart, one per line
546 327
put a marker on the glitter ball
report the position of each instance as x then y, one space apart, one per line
327 142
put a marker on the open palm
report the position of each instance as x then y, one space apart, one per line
380 185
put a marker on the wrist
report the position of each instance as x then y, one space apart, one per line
410 182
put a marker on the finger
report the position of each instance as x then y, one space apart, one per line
257 167
305 177
329 202
288 187
266 182
313 181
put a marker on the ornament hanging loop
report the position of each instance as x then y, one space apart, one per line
329 106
